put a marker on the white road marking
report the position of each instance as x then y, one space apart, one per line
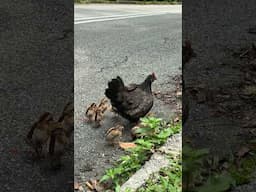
103 17
114 17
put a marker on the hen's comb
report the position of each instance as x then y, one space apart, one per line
154 76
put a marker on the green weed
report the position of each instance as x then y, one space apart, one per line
154 133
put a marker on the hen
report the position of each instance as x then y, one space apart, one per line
131 102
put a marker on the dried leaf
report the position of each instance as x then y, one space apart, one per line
76 186
81 188
178 94
89 185
127 145
242 152
94 185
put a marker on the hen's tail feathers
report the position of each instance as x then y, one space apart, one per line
114 87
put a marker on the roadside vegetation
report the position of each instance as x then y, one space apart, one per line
203 172
168 179
153 134
130 1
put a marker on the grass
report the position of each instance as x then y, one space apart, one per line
201 173
153 133
167 180
244 173
204 173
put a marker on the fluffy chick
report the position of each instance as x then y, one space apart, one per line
67 118
114 134
99 115
40 132
134 131
57 144
104 105
91 112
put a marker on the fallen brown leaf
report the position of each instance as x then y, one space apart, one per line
81 188
127 145
94 185
242 152
76 186
88 184
178 94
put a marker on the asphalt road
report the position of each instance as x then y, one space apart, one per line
36 76
126 40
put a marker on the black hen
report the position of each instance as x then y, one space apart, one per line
132 102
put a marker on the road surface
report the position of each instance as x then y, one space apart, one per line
131 41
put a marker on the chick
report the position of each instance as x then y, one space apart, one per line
134 133
99 115
67 118
91 112
56 146
40 132
114 134
104 105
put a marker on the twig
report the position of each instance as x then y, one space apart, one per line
244 53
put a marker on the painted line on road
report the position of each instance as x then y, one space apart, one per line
111 18
103 17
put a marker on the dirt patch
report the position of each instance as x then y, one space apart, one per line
172 98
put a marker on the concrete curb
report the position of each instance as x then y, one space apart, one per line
156 162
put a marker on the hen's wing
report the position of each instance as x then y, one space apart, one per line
135 104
